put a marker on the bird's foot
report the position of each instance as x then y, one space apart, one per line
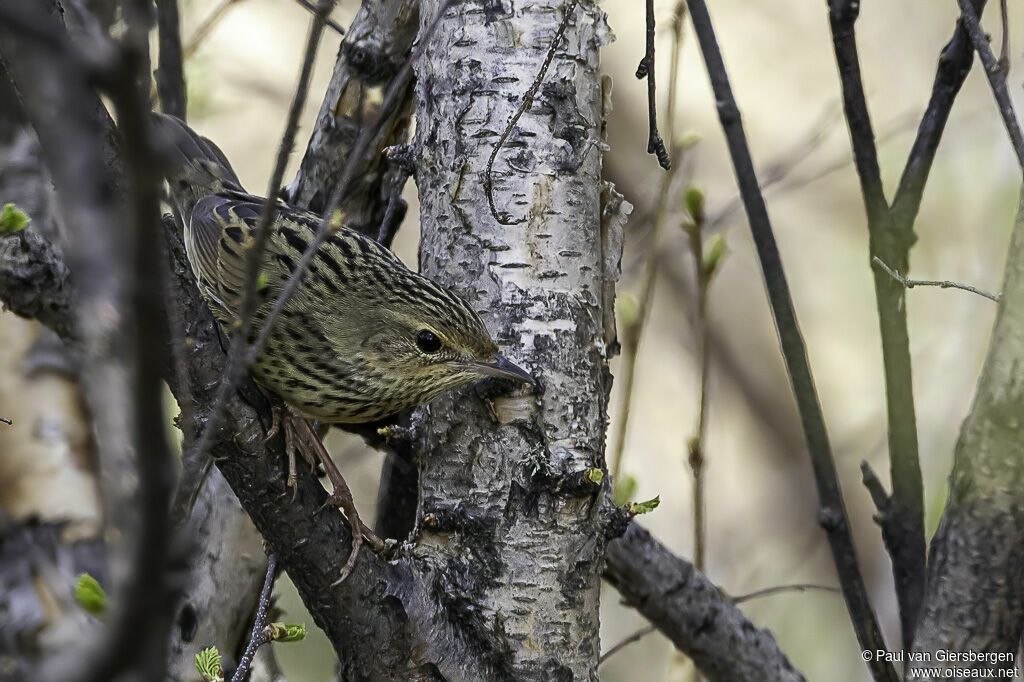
283 418
341 497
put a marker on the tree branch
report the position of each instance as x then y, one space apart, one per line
372 54
996 76
832 514
903 520
691 611
954 65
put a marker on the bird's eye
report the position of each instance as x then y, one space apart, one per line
427 341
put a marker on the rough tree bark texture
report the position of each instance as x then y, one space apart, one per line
691 611
375 47
975 588
503 499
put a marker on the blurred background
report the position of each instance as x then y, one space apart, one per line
761 500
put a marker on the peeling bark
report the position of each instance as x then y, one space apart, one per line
974 599
501 507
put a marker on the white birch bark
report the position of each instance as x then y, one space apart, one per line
506 511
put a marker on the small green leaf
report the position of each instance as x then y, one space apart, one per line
689 140
286 632
629 310
624 490
713 254
645 507
337 218
208 665
12 219
595 476
695 204
261 281
90 595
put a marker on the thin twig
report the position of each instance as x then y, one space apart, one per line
655 145
1004 49
331 24
237 356
203 30
778 589
695 445
832 514
903 528
258 637
633 334
953 66
626 641
996 77
942 284
525 104
779 173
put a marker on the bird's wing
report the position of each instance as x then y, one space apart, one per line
223 227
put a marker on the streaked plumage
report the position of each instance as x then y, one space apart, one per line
357 340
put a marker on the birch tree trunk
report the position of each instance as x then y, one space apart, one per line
506 507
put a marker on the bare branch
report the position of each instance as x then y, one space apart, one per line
626 641
832 515
954 65
903 523
944 284
331 24
691 611
655 145
371 56
258 637
203 30
780 589
996 76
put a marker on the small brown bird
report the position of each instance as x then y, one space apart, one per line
363 337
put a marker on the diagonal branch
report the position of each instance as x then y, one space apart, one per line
954 65
902 520
691 611
996 76
832 514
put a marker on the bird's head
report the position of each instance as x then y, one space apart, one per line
422 340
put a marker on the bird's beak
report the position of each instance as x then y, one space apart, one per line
502 367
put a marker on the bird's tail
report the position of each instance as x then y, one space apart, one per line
195 166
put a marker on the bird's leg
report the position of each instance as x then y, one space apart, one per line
342 497
284 418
